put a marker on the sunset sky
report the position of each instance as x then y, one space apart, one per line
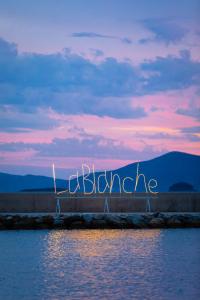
103 82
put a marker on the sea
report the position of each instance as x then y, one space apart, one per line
100 264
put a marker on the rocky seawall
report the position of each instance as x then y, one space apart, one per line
99 221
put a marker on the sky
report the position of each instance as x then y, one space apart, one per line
100 82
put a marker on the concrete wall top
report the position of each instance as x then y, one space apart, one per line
138 202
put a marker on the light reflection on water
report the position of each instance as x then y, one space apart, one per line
97 243
100 264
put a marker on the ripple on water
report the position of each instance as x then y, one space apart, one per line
100 264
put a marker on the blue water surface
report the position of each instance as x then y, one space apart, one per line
100 264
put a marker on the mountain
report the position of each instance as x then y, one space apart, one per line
167 169
14 183
170 168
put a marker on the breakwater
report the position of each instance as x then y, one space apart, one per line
99 221
38 211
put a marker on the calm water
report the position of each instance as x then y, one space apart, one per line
97 264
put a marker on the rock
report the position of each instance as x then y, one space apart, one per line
156 214
8 222
174 222
2 225
97 216
48 220
98 224
157 223
100 221
44 222
88 219
78 225
58 222
25 223
71 218
193 221
116 221
137 221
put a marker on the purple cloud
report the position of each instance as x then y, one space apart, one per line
92 35
164 30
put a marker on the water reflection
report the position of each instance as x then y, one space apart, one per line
96 264
91 243
87 260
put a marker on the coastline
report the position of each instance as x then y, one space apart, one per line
9 221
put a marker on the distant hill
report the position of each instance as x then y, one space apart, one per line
167 169
14 183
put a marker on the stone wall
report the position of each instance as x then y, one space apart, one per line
99 221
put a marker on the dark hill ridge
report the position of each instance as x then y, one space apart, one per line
167 169
15 183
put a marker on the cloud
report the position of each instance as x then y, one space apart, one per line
84 145
7 50
73 85
102 106
84 34
190 133
164 30
155 108
67 83
156 136
179 136
92 35
192 112
171 72
90 146
193 129
13 120
126 41
97 52
193 138
94 147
